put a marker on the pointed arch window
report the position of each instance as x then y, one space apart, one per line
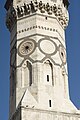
48 72
27 76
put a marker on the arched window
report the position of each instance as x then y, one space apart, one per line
48 72
27 74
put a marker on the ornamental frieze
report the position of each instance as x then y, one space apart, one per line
32 7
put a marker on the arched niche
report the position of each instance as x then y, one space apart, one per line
48 73
26 74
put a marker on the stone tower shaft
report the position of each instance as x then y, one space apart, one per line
38 65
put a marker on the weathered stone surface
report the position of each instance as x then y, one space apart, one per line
38 66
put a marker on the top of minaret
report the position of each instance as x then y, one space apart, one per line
9 2
20 8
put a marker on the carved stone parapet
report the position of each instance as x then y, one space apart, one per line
32 7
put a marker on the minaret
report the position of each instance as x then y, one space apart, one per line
38 67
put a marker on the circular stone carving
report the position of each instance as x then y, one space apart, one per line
26 47
47 47
62 53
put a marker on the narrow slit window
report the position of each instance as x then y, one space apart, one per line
46 18
47 78
49 103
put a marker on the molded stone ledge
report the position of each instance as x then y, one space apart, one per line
47 115
38 114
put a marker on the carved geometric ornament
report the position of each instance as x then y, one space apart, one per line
33 7
62 54
26 48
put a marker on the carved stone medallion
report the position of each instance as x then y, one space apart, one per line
26 48
62 53
47 47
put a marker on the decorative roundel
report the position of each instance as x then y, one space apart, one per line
62 53
47 47
26 47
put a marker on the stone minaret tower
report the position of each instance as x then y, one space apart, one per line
38 68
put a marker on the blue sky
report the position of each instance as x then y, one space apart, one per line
73 57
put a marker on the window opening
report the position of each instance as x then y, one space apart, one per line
47 78
46 18
62 54
49 103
